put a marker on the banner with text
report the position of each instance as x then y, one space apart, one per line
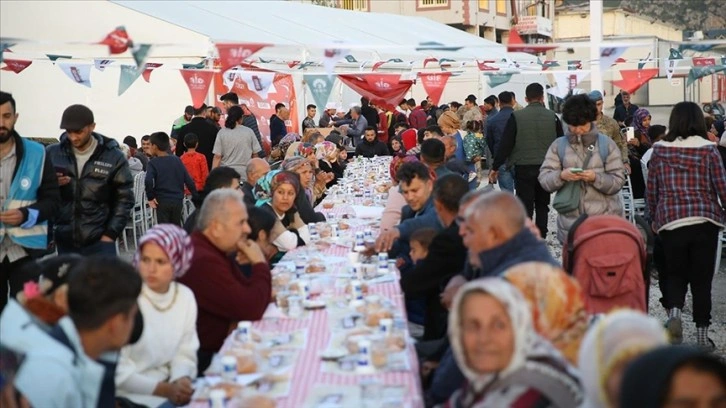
434 84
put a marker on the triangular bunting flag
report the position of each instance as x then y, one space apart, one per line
641 63
200 65
671 65
331 57
350 59
377 65
101 64
16 66
608 56
633 79
198 83
549 64
395 60
229 77
54 57
427 60
79 73
696 47
484 67
129 75
233 54
264 61
118 41
388 87
321 86
516 44
5 47
704 61
305 65
435 46
140 53
574 65
362 65
150 66
292 64
494 80
675 54
566 81
434 84
703 71
257 82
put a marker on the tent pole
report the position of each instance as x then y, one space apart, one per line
596 16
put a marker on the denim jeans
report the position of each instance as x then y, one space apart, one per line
505 177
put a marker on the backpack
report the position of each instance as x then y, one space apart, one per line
607 255
602 144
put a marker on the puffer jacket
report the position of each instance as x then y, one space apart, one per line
600 197
99 201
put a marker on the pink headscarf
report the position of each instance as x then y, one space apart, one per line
176 244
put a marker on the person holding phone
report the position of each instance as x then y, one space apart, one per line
29 198
600 178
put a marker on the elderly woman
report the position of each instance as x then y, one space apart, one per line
277 191
280 151
327 154
579 160
450 126
637 147
609 346
305 200
392 212
505 362
163 363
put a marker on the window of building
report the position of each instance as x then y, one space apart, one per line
355 5
502 7
432 3
483 4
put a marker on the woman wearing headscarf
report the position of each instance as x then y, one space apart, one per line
327 154
674 377
609 346
637 147
687 200
557 304
276 191
450 125
280 151
505 362
392 212
304 200
163 363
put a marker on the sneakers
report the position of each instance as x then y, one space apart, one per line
674 326
709 346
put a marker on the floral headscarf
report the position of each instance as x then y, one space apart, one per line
638 117
620 335
305 150
293 163
550 374
558 307
176 244
267 185
397 162
326 151
286 141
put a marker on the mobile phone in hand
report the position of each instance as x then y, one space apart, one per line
575 170
61 170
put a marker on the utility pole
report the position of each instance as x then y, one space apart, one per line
595 42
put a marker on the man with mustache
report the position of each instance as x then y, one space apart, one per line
28 200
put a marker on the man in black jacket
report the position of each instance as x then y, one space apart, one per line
371 146
446 256
369 112
96 186
28 200
205 131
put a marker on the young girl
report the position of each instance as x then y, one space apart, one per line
162 364
397 148
474 144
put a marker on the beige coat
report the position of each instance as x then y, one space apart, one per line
600 197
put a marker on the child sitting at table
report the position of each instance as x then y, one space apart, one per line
420 241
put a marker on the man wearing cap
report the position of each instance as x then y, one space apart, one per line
213 116
130 141
357 125
205 131
28 199
610 128
181 121
96 186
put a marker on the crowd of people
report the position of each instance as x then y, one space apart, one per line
502 325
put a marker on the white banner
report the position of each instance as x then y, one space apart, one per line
608 56
566 81
101 64
671 65
257 82
79 73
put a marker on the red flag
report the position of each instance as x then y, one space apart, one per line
430 59
633 79
377 65
389 87
16 66
434 84
703 61
292 64
150 66
198 82
484 67
118 41
516 44
232 54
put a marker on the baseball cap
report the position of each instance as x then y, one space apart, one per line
189 110
330 105
595 95
76 117
130 141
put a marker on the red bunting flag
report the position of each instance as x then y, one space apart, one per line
292 64
516 44
377 65
233 54
484 67
16 66
434 84
633 79
198 82
389 87
430 59
148 67
703 61
118 41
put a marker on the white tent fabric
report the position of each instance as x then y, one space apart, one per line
303 31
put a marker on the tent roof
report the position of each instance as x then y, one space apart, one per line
303 31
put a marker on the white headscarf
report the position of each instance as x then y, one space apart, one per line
619 335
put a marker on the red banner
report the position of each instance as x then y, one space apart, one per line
389 87
282 90
198 83
703 62
233 54
16 66
633 79
484 67
516 44
118 41
434 84
148 67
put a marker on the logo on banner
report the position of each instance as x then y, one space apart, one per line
383 84
196 82
433 79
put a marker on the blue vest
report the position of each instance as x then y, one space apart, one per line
24 192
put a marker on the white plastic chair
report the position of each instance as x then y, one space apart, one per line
632 206
187 208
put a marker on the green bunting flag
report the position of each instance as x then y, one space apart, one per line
54 57
675 54
350 58
129 75
4 46
641 63
200 65
498 79
320 86
140 53
700 72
